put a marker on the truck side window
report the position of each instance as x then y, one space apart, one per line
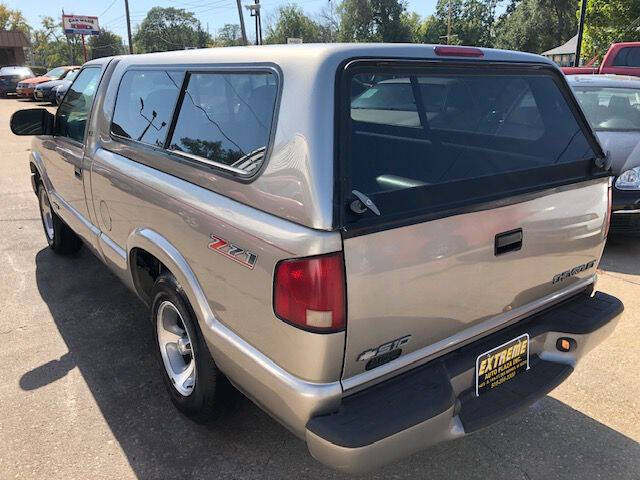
627 57
73 112
144 107
225 118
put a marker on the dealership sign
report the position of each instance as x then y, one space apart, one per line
80 24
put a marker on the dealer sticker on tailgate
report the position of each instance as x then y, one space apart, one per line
501 364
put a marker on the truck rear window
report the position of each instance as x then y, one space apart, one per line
439 137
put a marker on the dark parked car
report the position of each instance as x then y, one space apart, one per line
10 76
47 91
611 104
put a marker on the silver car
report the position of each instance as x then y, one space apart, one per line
383 246
611 103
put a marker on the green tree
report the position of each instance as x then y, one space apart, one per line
292 22
536 25
373 21
106 44
13 20
472 23
229 35
51 48
609 21
165 29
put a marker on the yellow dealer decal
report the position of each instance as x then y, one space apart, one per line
497 366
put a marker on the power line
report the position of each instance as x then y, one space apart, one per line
108 8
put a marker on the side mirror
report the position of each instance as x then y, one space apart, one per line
32 121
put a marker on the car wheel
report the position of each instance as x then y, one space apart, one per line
190 375
59 236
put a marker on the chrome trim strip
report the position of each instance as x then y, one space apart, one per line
112 251
428 353
630 212
211 163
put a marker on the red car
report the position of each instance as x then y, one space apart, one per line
620 59
26 87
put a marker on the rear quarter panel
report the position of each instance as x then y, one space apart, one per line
128 196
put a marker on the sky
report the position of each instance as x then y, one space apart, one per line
215 13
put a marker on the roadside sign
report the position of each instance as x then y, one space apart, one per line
80 24
294 40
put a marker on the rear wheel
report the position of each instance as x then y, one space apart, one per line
59 236
191 377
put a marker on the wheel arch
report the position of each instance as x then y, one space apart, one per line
148 247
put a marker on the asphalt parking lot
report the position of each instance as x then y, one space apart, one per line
81 396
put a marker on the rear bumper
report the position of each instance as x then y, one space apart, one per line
437 402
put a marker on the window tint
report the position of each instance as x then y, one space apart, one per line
627 57
74 110
15 71
610 108
56 72
457 134
226 118
144 106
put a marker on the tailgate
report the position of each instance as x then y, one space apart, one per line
479 201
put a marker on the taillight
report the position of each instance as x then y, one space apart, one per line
453 51
309 293
609 207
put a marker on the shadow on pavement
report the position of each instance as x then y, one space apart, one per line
107 332
621 255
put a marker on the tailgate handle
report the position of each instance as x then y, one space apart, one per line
510 241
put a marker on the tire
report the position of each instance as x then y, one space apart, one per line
175 327
60 237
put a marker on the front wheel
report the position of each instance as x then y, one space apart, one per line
190 375
59 236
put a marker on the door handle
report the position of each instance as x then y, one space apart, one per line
510 241
77 171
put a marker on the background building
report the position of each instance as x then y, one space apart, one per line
12 45
564 55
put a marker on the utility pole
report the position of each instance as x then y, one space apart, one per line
583 13
71 62
449 23
259 21
126 9
244 31
255 12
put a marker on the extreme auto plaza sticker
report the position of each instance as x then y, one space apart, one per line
501 364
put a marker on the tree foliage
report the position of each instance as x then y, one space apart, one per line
536 25
106 44
373 21
51 48
230 35
165 29
13 20
471 23
610 21
293 23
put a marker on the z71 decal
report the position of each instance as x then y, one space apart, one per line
235 253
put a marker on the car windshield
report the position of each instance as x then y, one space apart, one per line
15 71
72 75
56 72
610 108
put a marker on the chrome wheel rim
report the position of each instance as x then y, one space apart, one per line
175 348
47 214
